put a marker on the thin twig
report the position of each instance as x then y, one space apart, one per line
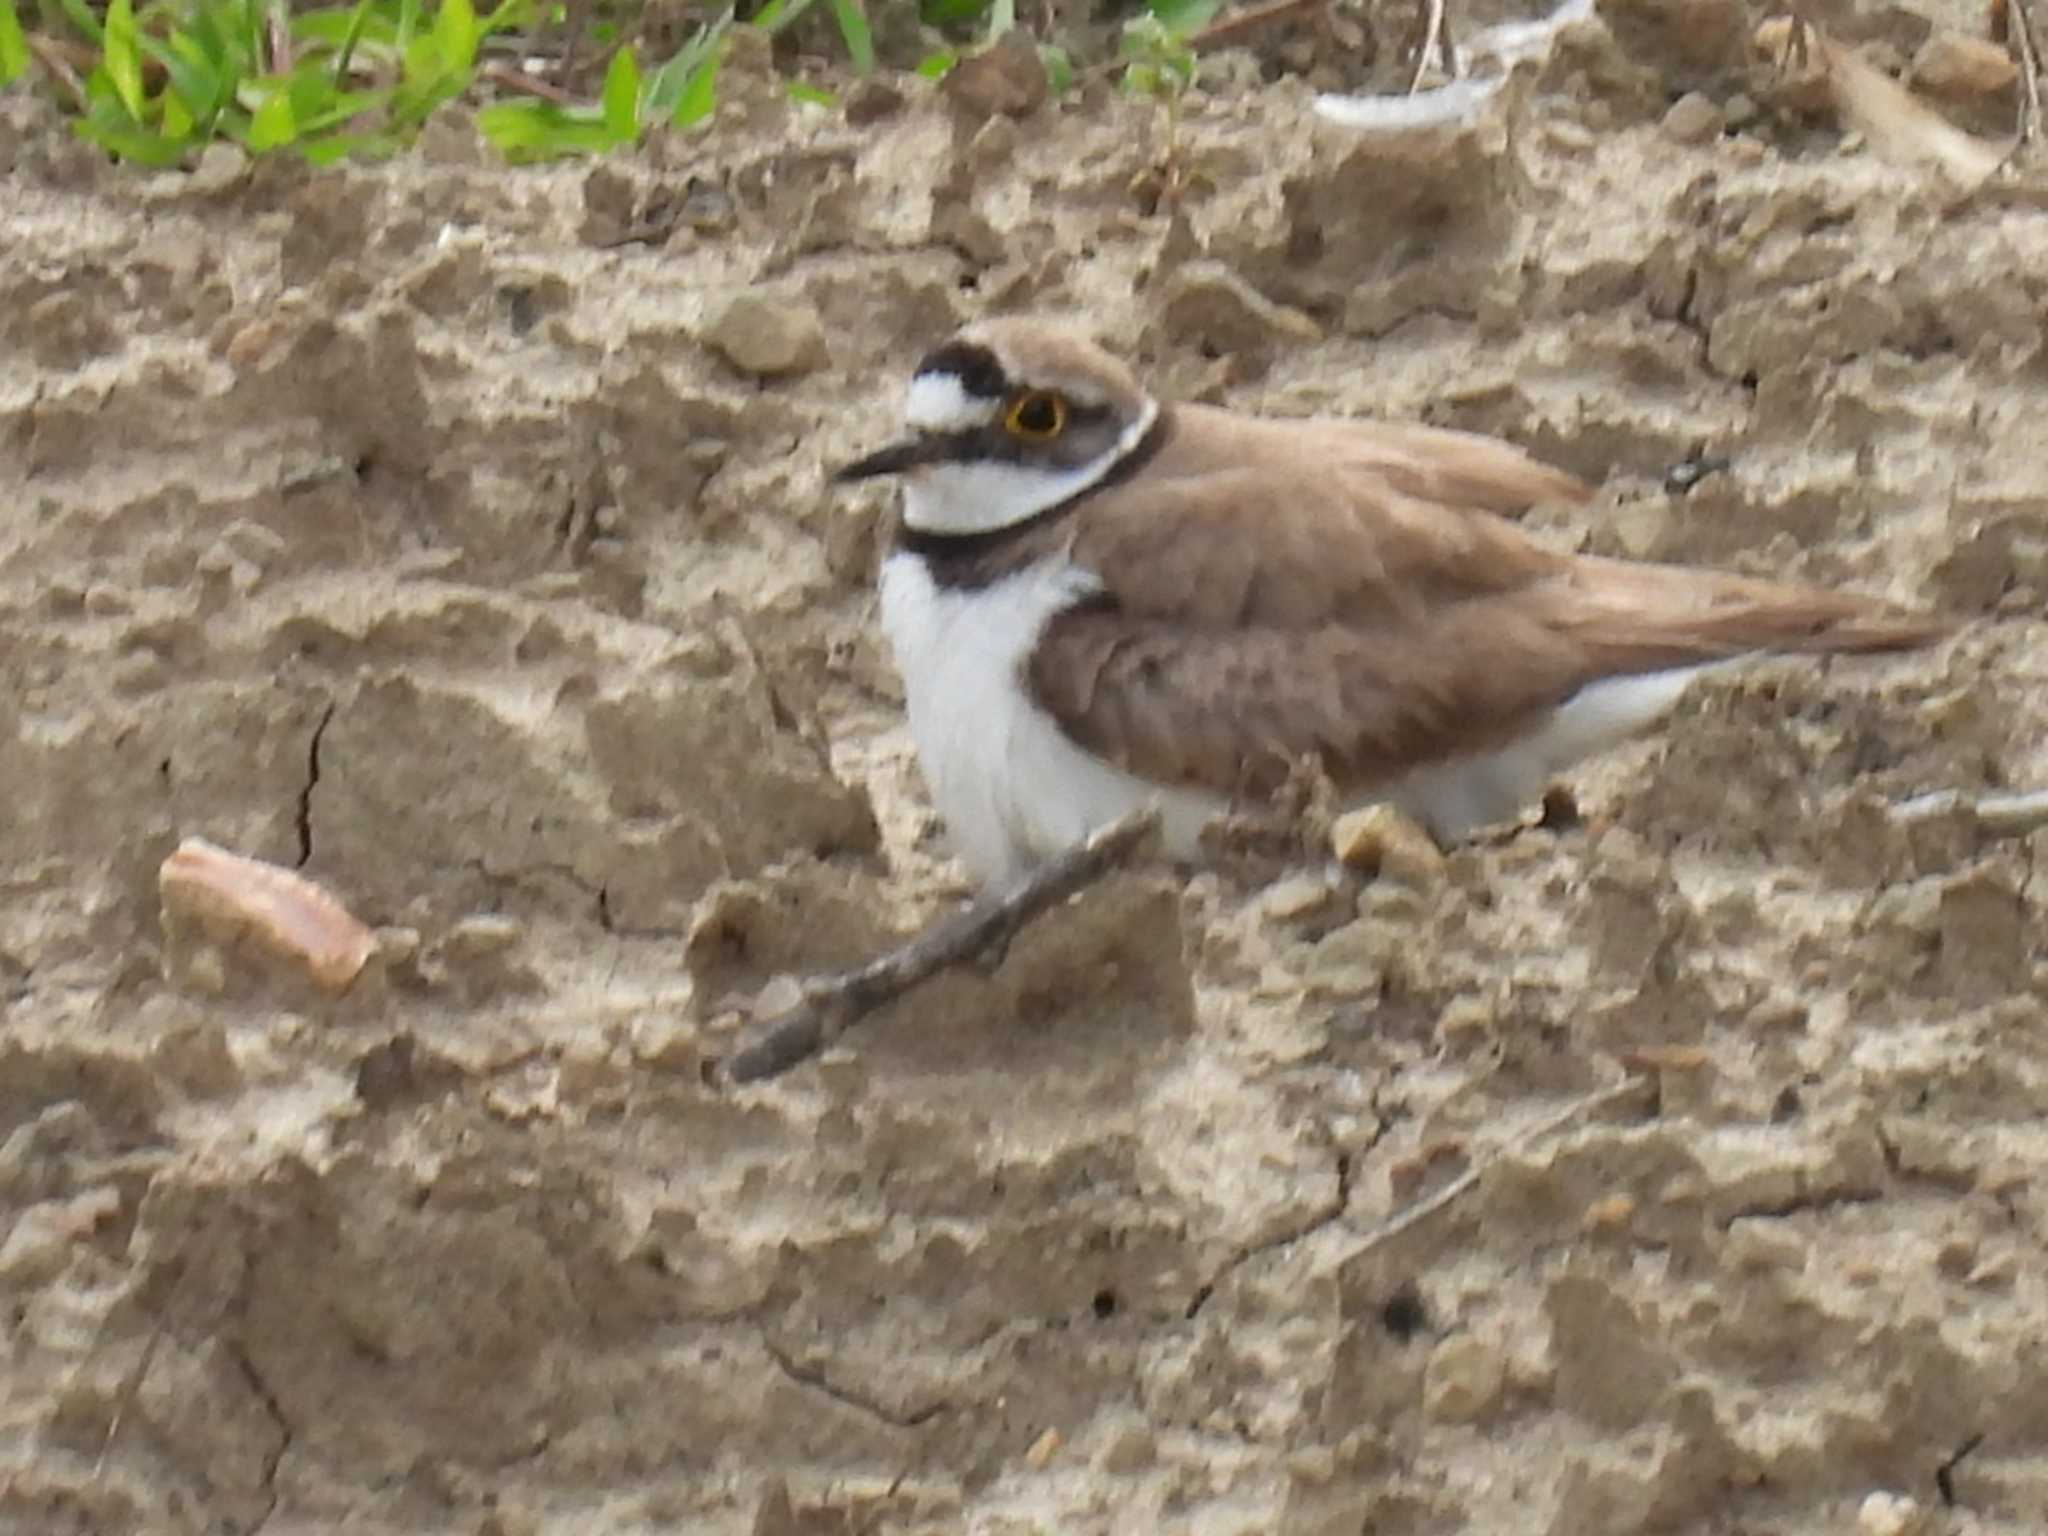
2028 49
1422 1210
830 1005
1998 815
1432 36
1226 30
52 59
518 80
130 1390
280 42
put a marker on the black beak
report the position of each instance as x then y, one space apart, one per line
894 459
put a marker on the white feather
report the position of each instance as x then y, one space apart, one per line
939 402
1015 791
989 494
1455 798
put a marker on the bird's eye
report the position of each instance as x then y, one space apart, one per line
1037 416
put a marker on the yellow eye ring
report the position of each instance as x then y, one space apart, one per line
1037 416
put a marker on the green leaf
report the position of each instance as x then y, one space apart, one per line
810 95
1183 17
123 64
456 35
13 46
853 28
947 13
621 96
176 119
274 122
539 130
339 146
121 137
933 66
338 108
1059 68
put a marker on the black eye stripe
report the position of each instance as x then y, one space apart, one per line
972 445
975 367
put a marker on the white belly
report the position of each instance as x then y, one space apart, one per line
1013 789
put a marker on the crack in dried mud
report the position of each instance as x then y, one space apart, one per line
275 1410
303 818
818 1381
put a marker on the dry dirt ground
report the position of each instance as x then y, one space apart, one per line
410 524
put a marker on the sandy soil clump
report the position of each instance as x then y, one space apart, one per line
458 536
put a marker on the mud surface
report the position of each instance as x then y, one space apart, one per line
436 527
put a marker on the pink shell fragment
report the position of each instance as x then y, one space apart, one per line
284 912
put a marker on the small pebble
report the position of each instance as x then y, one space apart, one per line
1129 1450
1961 67
1889 1514
871 100
1610 1213
768 337
1462 1380
484 933
1379 840
1043 1449
220 166
1692 119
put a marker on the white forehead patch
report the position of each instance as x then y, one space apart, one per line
938 402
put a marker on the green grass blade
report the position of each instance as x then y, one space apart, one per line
777 14
120 56
81 17
853 27
196 83
13 46
345 54
251 34
511 15
810 95
620 99
203 44
683 90
700 94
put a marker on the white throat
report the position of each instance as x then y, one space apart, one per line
983 497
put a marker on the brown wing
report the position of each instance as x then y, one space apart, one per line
1371 626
